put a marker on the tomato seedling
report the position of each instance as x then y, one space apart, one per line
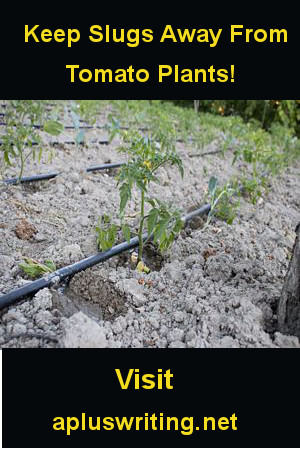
21 139
145 156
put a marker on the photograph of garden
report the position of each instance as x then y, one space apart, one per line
149 223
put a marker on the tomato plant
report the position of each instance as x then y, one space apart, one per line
21 139
145 155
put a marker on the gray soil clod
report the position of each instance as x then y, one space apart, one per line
217 287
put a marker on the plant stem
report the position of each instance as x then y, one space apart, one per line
160 164
21 150
22 164
140 256
213 207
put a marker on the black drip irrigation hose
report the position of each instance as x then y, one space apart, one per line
66 127
81 127
96 141
51 175
32 178
104 167
68 271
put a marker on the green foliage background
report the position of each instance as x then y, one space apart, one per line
287 112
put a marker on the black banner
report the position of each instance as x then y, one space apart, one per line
216 398
125 51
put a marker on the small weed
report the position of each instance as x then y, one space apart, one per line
34 268
106 233
224 204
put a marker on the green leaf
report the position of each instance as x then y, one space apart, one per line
212 185
126 232
141 185
40 155
125 194
34 268
248 155
6 158
160 229
235 157
152 220
53 127
178 225
50 265
179 165
112 234
151 201
106 233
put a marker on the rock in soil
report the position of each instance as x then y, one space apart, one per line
25 230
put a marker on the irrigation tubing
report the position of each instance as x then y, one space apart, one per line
82 127
104 167
51 175
66 127
32 178
68 271
101 142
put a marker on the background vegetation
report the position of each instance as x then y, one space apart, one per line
286 112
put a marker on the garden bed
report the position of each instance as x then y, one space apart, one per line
215 287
